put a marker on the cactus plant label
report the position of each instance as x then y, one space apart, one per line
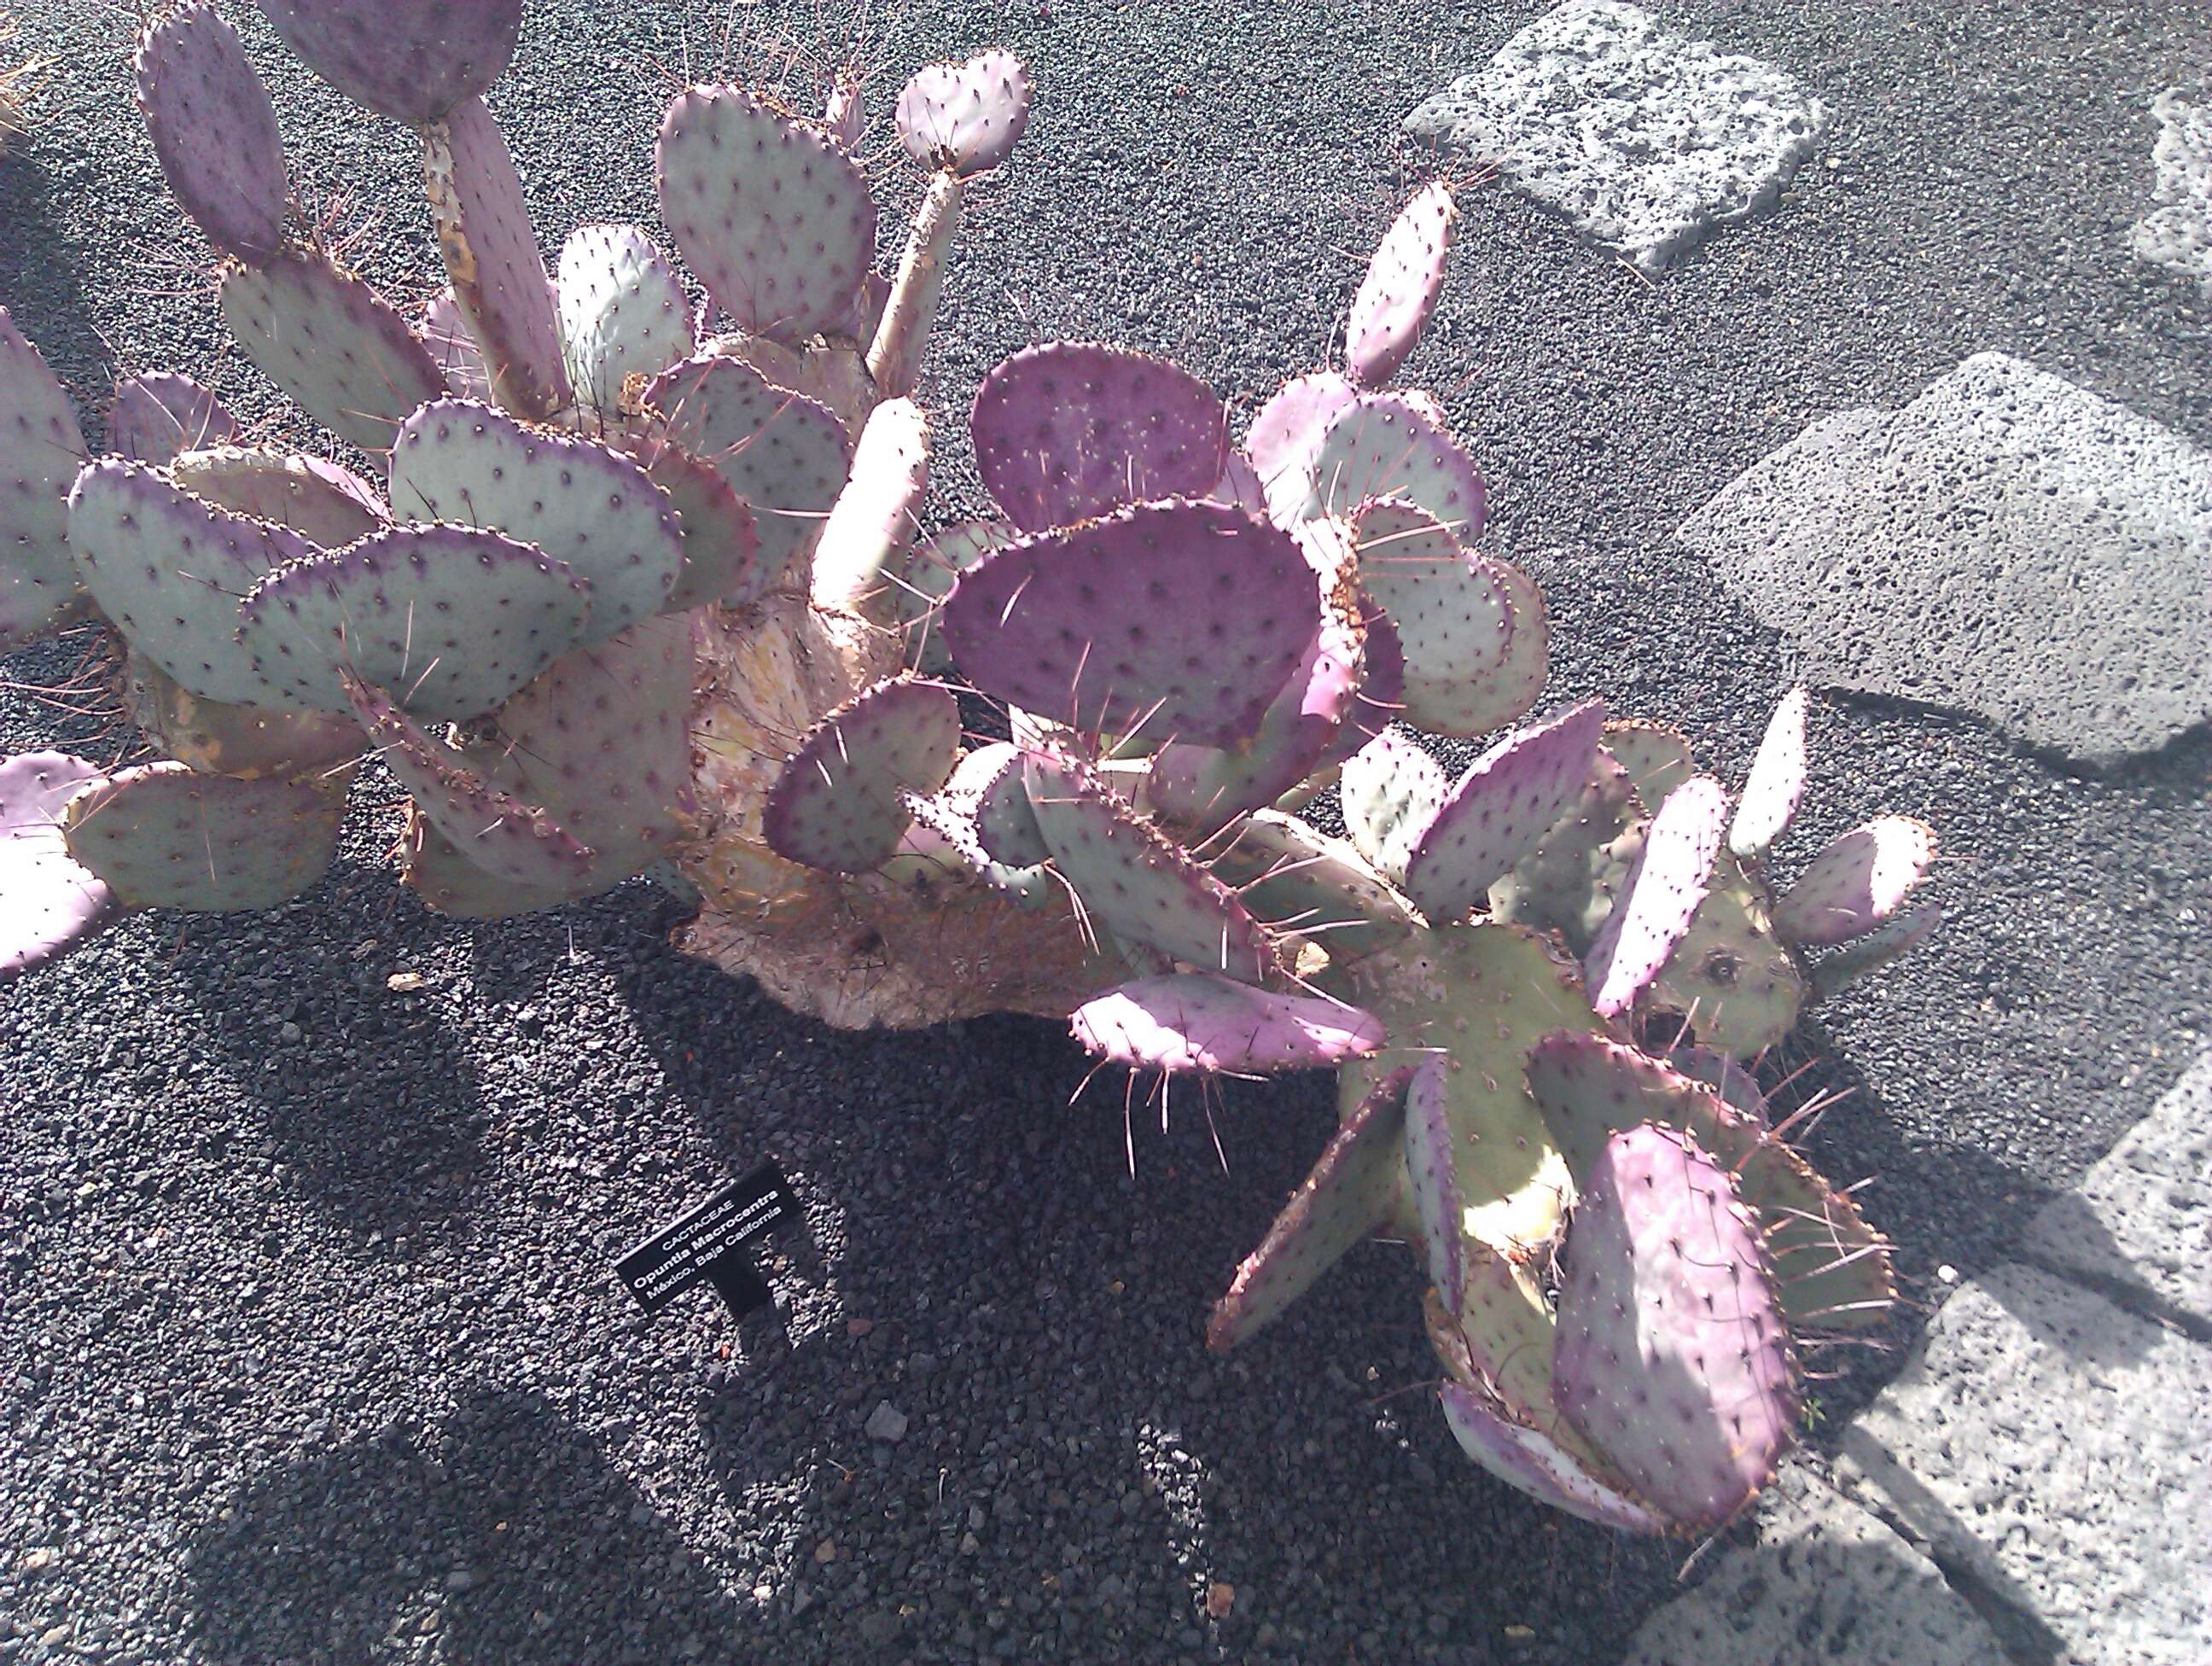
706 1243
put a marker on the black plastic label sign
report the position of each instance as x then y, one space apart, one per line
707 1245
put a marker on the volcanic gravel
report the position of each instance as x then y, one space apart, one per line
311 1349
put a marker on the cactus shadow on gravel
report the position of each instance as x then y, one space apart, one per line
41 284
505 1521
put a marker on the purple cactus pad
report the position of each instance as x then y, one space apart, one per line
412 60
52 899
1858 880
1072 429
838 802
1777 782
966 117
1538 1465
154 417
41 449
1659 896
325 503
1400 291
1394 444
1286 432
165 837
214 129
623 313
1196 1022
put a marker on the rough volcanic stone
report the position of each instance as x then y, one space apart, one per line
2006 543
1645 139
1827 1582
2178 235
2052 1446
2143 1215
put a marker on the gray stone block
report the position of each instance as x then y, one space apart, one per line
1644 139
1826 1583
2006 543
2143 1215
2053 1446
2179 235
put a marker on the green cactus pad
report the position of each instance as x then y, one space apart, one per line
1657 757
331 342
623 313
837 803
1006 826
1568 883
770 212
930 571
1659 896
1135 883
327 505
1198 1022
451 620
1776 781
162 836
1431 1181
872 525
1863 956
1673 1359
432 866
1072 429
1456 614
601 740
491 255
1732 977
1348 1196
511 841
1394 444
787 456
220 739
214 129
577 501
169 569
721 540
1833 1269
1400 291
965 117
1539 1464
53 900
412 60
1500 809
1182 618
1392 790
150 418
41 449
1858 880
1481 996
1305 883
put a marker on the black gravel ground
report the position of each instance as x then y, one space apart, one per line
310 1350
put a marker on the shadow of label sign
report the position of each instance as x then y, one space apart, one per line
707 1244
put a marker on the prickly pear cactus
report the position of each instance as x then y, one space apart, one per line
621 584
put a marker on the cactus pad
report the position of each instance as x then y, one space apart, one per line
412 60
720 540
326 504
577 501
1072 429
1136 883
1455 612
52 899
153 418
1895 936
930 572
1673 1359
451 620
1287 431
1300 880
1657 757
1006 827
214 129
1538 1464
1832 1269
164 838
1568 883
1346 1198
217 738
1431 1182
1184 617
785 455
1501 809
771 213
1732 977
965 117
169 569
511 841
1858 880
623 313
331 342
41 449
1391 445
1661 894
1199 1023
1776 781
1401 289
1392 790
452 346
837 802
433 867
491 255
